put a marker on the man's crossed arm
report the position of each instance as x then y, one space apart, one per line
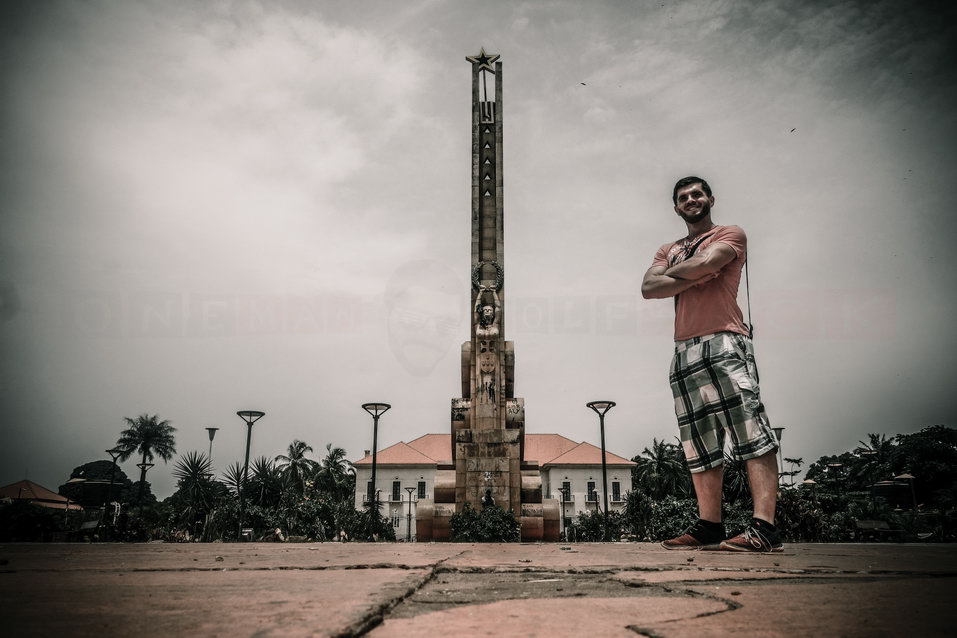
660 282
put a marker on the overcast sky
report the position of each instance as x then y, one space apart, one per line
209 207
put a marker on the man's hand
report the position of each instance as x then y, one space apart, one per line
659 285
708 262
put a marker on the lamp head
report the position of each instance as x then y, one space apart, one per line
249 416
212 433
375 409
601 407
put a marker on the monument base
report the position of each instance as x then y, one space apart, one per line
539 521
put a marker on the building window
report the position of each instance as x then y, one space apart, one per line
567 490
421 489
592 494
395 520
396 491
616 490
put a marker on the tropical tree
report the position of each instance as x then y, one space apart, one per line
794 463
197 493
233 478
661 470
876 458
333 479
296 466
372 524
929 455
267 483
148 437
94 488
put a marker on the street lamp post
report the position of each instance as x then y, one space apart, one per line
212 433
376 410
115 454
564 495
410 490
250 417
600 408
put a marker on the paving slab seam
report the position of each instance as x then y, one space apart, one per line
730 605
499 569
128 570
808 572
377 615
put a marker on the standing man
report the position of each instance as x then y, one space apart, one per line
713 374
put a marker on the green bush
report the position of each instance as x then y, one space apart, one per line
589 527
490 525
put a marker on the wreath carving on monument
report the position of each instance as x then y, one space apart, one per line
477 275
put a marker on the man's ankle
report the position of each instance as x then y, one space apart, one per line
761 523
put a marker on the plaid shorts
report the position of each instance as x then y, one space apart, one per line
714 382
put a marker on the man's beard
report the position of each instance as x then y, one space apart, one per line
703 212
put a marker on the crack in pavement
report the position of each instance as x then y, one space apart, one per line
685 588
376 616
730 605
448 587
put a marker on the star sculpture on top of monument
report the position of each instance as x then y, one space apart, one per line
484 60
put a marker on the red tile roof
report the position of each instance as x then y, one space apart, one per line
37 494
587 454
435 446
546 449
398 454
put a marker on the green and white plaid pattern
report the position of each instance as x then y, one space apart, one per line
714 382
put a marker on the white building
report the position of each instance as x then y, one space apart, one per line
405 472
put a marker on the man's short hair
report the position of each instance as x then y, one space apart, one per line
688 181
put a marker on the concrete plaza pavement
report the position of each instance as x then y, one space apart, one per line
424 589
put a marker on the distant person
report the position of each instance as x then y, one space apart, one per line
713 374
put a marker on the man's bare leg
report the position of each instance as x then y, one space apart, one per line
707 533
707 488
763 478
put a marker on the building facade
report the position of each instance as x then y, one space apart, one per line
570 472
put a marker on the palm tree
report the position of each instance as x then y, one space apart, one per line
267 485
333 478
876 458
149 437
295 465
661 470
197 490
233 477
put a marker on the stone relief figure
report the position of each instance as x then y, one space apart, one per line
486 316
486 374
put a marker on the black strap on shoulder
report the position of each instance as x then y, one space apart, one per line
747 288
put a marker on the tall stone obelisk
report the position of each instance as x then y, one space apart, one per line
488 421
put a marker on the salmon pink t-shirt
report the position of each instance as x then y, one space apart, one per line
712 306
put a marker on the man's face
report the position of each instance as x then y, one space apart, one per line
693 203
